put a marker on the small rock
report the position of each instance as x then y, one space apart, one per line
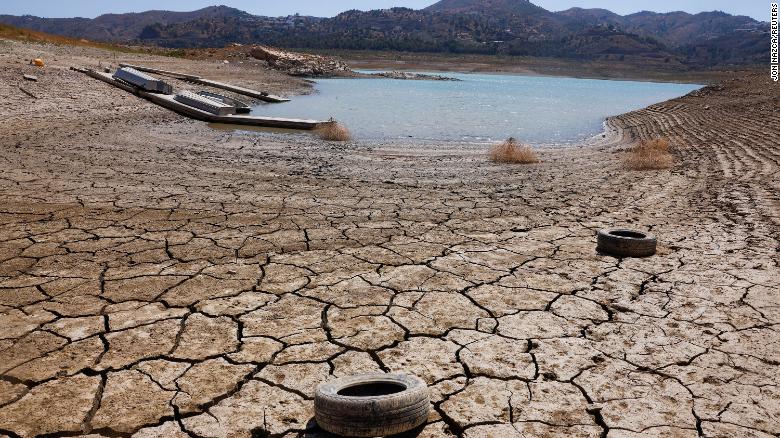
31 78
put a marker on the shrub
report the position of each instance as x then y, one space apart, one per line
649 155
334 131
511 151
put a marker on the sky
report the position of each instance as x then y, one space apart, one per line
758 9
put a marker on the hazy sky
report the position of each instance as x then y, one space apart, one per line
758 9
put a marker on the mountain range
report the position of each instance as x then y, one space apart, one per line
504 27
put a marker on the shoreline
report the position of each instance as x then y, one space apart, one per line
396 142
582 69
515 73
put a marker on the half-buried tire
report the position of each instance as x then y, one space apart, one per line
626 243
372 405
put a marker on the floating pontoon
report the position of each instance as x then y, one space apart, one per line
143 80
261 95
205 104
171 103
241 107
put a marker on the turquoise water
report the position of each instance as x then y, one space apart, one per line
479 108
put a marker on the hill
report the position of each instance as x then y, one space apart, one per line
21 34
494 7
117 27
493 27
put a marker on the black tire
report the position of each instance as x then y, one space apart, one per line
372 405
626 243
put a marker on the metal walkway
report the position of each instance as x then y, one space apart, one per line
208 82
169 101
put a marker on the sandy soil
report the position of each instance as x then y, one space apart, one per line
159 278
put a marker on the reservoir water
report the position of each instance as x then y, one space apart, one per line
478 108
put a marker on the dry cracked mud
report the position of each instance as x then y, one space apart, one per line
160 278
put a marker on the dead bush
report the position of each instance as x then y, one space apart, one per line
512 151
334 132
649 155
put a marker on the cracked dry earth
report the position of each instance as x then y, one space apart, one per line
159 278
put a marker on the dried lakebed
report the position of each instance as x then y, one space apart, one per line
162 279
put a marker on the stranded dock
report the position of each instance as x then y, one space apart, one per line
170 101
208 82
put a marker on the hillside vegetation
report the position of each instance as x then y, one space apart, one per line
21 34
491 27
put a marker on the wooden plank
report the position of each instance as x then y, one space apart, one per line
208 82
168 101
